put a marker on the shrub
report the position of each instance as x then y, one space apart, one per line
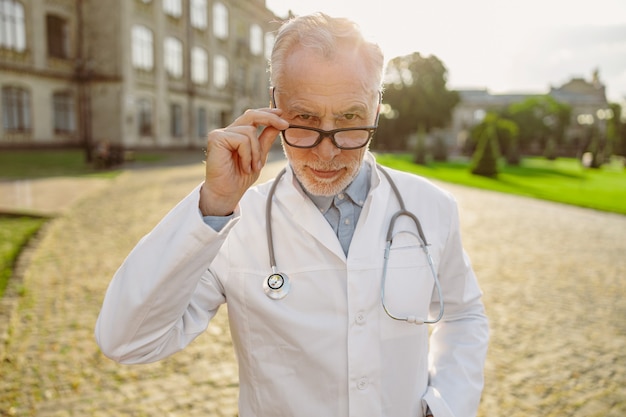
419 154
485 158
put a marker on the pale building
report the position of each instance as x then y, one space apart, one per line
587 100
141 73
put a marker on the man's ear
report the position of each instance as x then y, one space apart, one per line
272 99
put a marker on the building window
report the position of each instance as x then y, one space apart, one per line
63 110
57 31
143 56
220 21
199 65
172 8
256 40
220 71
198 14
173 57
176 123
144 109
201 123
15 109
12 32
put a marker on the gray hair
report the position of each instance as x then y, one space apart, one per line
324 33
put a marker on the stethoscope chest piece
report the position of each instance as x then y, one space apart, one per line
276 286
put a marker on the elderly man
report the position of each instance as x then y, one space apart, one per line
331 272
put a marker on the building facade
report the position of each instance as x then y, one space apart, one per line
138 73
587 99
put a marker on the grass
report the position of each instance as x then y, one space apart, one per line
18 164
563 180
15 232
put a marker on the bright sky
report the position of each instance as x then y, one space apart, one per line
503 45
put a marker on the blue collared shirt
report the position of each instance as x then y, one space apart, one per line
342 211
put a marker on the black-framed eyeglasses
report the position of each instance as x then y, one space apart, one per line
344 138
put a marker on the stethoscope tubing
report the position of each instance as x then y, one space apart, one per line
404 212
281 292
268 220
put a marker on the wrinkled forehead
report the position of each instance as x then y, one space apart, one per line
318 104
342 75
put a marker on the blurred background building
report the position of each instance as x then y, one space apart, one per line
586 98
162 73
136 73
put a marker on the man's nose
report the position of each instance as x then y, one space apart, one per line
326 149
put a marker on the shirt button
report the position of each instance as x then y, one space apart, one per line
360 318
346 221
341 196
362 384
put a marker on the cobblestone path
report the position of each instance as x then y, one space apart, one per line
554 279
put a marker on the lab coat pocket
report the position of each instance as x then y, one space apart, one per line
408 285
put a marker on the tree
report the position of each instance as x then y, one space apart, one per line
419 153
415 90
506 132
616 130
542 121
595 148
440 149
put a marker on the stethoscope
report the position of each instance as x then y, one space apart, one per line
277 285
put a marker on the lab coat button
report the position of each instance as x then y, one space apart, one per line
362 384
360 318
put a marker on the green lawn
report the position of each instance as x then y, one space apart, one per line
16 164
563 180
15 231
14 234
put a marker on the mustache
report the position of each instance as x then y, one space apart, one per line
327 166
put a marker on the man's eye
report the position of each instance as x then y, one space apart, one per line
304 116
349 116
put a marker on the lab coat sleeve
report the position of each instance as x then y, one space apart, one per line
163 295
458 344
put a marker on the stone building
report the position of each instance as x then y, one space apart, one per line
587 100
139 73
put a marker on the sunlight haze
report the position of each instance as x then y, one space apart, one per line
499 45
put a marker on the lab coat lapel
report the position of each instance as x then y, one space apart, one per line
372 226
303 212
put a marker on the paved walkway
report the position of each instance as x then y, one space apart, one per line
554 279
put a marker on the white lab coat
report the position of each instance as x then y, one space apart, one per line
328 348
